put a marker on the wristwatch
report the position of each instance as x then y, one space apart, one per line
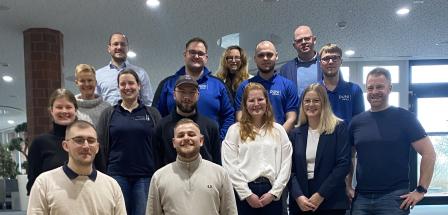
421 189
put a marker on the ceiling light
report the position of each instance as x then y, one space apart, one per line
131 54
7 78
349 52
152 3
11 122
403 11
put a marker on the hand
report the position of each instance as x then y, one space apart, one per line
254 201
350 193
316 199
411 199
305 204
266 199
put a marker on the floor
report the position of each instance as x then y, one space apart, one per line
418 210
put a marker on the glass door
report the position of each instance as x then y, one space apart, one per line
429 101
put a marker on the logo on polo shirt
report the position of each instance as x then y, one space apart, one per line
202 86
274 92
344 97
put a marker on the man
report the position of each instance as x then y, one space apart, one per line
382 138
186 95
304 69
106 77
77 187
281 91
215 101
346 98
190 185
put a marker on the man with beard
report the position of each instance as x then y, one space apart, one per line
77 187
190 185
282 92
345 97
305 68
106 77
186 95
215 101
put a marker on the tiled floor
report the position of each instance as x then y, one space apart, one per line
418 210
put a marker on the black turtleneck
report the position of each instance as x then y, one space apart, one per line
46 153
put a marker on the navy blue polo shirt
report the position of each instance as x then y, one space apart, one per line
346 100
131 151
282 95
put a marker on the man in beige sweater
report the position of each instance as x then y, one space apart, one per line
190 185
77 187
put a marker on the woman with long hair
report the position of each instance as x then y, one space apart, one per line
257 154
321 157
46 152
125 133
233 68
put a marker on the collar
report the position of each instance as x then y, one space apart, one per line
122 66
72 175
312 59
59 130
177 116
202 79
190 166
259 78
118 106
340 84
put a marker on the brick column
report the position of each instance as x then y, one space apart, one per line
43 49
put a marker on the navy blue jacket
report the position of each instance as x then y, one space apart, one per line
331 167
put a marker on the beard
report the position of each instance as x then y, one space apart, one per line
186 108
266 69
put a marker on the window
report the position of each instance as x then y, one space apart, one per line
429 74
345 71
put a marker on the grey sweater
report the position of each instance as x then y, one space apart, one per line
91 108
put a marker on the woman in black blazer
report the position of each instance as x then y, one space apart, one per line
321 157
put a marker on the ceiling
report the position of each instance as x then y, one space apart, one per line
158 36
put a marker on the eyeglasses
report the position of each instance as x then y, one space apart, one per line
194 53
304 39
233 58
265 54
81 140
334 58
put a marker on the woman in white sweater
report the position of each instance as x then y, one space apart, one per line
257 154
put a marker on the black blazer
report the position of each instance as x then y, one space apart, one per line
331 167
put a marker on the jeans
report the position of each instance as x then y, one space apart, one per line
274 208
135 192
379 203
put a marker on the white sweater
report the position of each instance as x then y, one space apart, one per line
269 155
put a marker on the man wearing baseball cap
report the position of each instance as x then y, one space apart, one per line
186 96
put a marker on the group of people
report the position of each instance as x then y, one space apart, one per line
227 143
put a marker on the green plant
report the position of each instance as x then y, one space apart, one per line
20 144
8 168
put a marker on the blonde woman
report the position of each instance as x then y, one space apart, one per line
233 68
321 157
257 154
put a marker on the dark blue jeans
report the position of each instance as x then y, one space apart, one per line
135 192
274 208
379 204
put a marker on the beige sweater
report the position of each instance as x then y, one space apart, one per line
199 187
54 193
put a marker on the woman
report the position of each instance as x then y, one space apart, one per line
46 152
257 154
233 68
90 104
321 157
125 132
